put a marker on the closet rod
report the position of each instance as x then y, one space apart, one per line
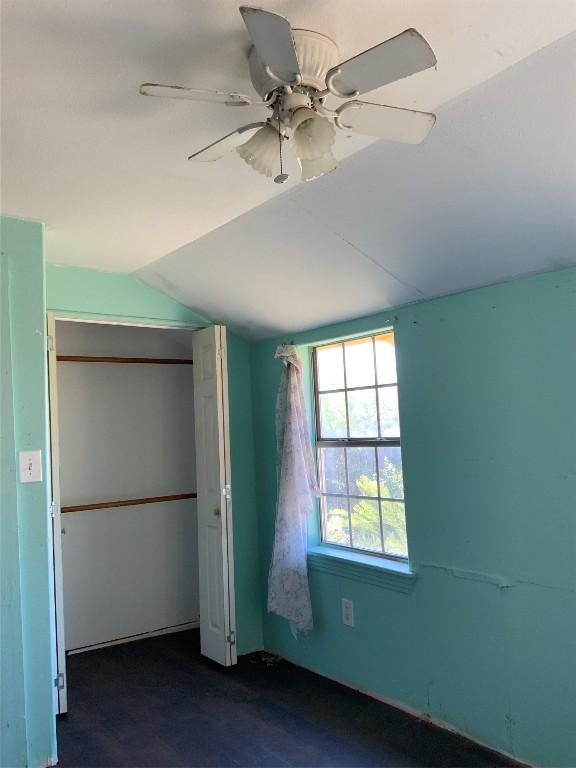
127 502
151 360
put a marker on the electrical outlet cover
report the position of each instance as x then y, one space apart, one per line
347 612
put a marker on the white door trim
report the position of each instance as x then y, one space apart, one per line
228 501
61 692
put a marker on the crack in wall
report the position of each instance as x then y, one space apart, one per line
497 580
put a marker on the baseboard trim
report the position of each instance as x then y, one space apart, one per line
133 638
417 713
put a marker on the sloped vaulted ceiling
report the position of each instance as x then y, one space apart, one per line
489 196
105 168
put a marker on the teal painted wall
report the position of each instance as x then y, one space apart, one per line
91 294
485 641
12 712
249 594
27 724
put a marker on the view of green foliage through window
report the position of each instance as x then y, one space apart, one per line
359 453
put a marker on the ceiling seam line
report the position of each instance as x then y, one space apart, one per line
360 251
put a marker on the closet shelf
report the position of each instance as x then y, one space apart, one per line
149 360
127 502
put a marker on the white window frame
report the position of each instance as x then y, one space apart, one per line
378 442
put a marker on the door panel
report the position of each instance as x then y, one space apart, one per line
213 546
217 616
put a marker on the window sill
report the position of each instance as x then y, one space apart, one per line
358 567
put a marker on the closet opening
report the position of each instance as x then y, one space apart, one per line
142 534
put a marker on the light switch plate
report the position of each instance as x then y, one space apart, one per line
30 463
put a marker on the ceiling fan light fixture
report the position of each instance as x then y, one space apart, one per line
318 166
261 151
313 135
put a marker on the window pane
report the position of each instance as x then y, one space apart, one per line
362 413
385 358
333 415
359 363
394 527
389 420
390 471
362 486
330 367
362 480
366 525
333 470
336 522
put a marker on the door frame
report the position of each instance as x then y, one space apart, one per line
57 598
59 645
228 503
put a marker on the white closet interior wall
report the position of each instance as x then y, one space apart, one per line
126 432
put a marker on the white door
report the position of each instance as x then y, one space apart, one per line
60 682
217 611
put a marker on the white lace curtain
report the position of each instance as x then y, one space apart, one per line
288 590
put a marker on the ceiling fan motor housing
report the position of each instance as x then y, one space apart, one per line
316 54
290 103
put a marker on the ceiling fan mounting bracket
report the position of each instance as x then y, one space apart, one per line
280 81
331 88
339 114
321 108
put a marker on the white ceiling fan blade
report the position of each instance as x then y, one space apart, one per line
194 94
227 143
392 60
390 123
272 37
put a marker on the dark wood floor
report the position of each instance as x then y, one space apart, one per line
158 703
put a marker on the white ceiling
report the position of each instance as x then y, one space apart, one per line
489 196
105 168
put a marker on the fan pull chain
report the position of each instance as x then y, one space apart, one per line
282 177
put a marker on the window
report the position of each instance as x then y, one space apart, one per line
358 442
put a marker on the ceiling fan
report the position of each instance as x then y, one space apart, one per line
294 71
